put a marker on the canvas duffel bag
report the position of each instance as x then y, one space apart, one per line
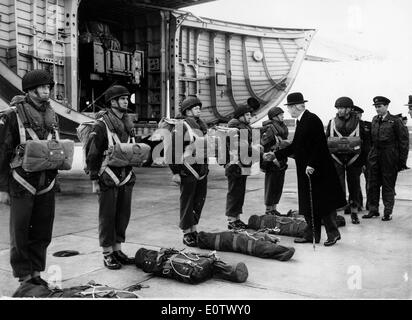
255 245
283 226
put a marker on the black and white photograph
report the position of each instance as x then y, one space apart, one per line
220 152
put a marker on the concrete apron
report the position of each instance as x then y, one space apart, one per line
373 259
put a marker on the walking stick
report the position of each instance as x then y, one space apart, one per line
311 212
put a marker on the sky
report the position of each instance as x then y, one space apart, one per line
380 30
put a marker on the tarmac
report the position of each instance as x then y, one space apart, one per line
372 261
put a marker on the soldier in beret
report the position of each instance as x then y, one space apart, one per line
388 156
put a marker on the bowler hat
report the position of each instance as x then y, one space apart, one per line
295 98
344 102
410 101
241 111
357 109
381 100
253 103
274 112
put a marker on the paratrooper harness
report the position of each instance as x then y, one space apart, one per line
344 145
38 155
120 155
170 125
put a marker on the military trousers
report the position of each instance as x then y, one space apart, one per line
382 176
192 199
236 195
31 227
114 214
274 181
350 175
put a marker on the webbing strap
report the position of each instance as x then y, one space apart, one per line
193 171
217 242
352 160
22 129
355 133
234 243
249 246
29 187
115 179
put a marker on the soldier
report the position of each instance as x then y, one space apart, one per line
349 161
192 178
387 157
366 146
237 173
113 183
274 132
31 195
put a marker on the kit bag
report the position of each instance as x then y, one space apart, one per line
259 245
283 226
169 263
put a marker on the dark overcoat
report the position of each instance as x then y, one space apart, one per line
309 148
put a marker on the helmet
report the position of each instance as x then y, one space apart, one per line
36 78
344 102
189 103
114 92
274 112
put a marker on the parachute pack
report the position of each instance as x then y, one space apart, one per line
118 154
188 267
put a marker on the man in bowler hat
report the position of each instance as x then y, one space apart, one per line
319 190
409 105
388 155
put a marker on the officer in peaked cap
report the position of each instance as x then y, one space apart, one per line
388 156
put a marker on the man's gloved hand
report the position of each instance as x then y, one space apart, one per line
176 179
5 198
269 156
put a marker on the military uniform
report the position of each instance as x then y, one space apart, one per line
273 133
348 165
193 176
388 155
32 194
116 183
237 173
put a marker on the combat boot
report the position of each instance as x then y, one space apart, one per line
386 218
354 217
371 214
